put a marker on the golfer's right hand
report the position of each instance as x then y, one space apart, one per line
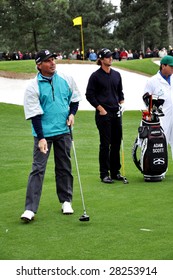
101 110
42 144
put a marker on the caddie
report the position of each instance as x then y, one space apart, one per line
160 86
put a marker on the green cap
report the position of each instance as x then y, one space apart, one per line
167 59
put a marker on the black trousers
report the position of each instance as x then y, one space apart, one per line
110 131
63 177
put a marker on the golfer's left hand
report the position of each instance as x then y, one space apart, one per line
122 107
70 120
42 144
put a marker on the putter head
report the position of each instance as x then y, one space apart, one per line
84 218
125 181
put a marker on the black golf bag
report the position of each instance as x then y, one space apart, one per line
150 145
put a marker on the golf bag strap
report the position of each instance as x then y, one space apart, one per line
134 155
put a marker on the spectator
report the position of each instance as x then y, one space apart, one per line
20 55
79 54
73 55
123 54
59 56
88 53
26 56
162 52
116 54
148 53
92 56
170 52
135 55
155 52
141 54
130 55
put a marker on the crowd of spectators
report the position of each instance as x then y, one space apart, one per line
16 55
91 55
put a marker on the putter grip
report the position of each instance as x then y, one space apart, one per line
71 134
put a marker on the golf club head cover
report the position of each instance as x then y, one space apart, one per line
146 98
158 102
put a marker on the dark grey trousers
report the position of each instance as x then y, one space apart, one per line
63 177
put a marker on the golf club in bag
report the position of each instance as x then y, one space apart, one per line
151 142
84 217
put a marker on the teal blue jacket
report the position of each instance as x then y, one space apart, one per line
51 99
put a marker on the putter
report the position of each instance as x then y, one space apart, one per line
84 217
125 181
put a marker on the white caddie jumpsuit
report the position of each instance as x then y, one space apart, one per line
159 87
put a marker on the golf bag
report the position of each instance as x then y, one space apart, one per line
151 142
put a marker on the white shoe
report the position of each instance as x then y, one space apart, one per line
27 216
66 208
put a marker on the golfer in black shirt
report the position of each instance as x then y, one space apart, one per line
104 92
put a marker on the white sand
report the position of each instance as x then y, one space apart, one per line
12 90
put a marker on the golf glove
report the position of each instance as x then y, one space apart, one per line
122 107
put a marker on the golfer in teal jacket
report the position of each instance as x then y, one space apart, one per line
51 101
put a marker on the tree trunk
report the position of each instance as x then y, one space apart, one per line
35 41
143 43
170 23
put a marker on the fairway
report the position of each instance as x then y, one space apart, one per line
127 221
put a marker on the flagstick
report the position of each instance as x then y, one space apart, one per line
82 42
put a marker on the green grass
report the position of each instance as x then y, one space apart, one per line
28 66
144 66
141 66
22 66
117 212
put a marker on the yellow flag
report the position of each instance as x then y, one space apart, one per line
77 21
